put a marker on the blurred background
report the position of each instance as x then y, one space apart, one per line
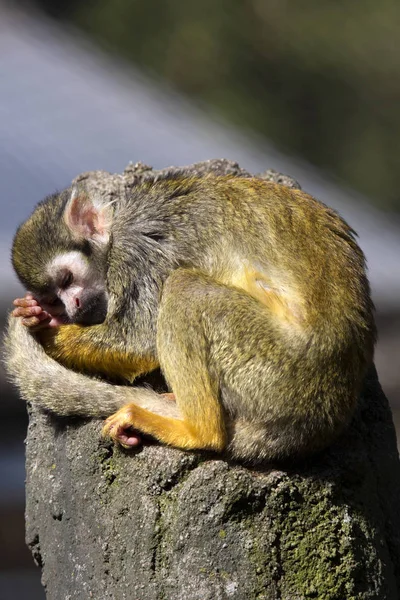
311 90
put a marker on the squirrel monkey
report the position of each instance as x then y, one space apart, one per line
251 297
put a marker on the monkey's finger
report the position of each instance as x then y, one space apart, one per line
44 316
35 324
30 322
25 302
27 311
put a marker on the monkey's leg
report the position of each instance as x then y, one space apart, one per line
183 348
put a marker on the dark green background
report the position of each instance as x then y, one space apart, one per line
318 78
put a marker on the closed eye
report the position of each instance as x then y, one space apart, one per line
49 299
66 280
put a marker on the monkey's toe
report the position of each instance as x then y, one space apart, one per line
119 428
127 438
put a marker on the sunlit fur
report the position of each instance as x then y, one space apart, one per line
252 297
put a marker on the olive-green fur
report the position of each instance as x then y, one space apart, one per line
284 374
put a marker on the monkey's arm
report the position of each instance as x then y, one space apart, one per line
106 349
95 349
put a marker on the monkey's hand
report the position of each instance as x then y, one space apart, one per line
94 349
38 316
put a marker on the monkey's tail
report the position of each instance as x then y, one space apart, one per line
43 381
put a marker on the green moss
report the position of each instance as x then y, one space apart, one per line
312 549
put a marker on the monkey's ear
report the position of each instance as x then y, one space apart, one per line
87 220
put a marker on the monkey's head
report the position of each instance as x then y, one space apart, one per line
60 256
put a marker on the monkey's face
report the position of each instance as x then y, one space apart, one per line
75 292
60 256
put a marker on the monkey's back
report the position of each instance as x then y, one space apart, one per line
279 244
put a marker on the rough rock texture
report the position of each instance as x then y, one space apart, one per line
161 524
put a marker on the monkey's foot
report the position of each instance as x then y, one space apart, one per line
119 428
